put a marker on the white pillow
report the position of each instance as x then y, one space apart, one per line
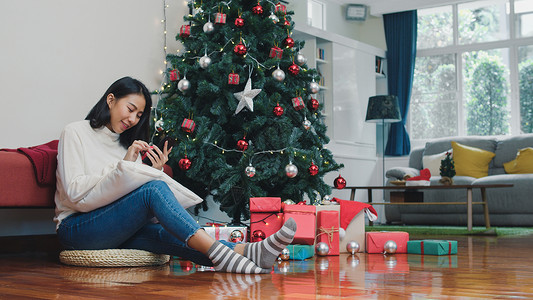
432 162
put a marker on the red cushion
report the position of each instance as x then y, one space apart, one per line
18 183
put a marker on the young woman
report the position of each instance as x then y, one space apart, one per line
106 198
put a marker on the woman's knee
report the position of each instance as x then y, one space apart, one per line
158 185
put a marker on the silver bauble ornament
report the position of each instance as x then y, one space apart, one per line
205 61
300 59
184 85
278 74
274 18
285 254
291 170
327 198
390 247
236 236
209 27
307 124
289 202
314 87
322 249
159 125
250 171
352 247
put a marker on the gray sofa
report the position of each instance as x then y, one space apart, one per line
507 206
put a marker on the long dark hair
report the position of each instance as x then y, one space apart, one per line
99 115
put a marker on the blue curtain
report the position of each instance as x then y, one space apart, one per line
400 34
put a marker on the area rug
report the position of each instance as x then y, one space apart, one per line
453 230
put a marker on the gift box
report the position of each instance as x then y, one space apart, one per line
305 218
376 240
301 252
185 31
432 247
188 125
233 78
298 103
380 264
265 204
276 52
328 230
220 18
224 232
174 75
432 261
267 222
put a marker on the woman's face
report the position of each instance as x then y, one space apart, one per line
125 112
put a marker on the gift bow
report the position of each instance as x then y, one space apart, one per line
329 233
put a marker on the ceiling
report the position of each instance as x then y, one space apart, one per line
380 7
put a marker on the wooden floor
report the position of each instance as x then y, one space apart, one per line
486 267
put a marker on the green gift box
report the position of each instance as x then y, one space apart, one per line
432 247
301 252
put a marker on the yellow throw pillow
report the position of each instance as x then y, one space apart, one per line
471 161
523 164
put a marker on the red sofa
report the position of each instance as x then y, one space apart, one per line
27 181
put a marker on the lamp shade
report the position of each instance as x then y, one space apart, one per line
384 108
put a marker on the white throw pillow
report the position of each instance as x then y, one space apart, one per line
432 162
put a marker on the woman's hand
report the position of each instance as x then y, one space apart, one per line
134 150
157 157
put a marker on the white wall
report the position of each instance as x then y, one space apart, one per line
57 58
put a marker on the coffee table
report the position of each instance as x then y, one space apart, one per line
468 203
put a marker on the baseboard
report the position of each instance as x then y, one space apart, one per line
46 244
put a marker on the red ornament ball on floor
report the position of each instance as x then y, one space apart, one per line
258 236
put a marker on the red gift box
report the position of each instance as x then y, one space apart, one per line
220 18
276 52
298 103
188 125
185 31
328 230
376 240
383 264
280 7
305 218
174 75
268 222
233 78
265 204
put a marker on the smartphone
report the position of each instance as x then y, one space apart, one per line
171 142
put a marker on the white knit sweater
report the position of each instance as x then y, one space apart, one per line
92 172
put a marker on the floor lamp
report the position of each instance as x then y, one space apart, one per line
383 109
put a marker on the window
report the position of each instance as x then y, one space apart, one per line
473 71
315 14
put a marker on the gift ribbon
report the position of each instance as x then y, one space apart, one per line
329 233
422 247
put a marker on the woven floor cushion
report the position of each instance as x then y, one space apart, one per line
112 258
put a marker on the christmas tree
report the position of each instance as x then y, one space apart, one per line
240 101
447 169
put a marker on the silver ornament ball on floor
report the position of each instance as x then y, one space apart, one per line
184 85
322 249
352 247
209 27
285 254
278 74
291 170
390 247
205 61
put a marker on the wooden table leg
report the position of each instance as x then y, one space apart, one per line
352 195
469 208
485 207
370 223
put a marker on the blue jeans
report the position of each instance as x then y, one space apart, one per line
126 224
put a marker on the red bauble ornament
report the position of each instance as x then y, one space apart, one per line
288 42
339 182
242 145
294 69
239 22
314 104
287 23
184 163
301 203
278 111
258 235
240 49
313 169
258 9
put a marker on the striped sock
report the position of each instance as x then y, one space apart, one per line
265 253
226 260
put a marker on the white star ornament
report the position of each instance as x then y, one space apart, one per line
246 97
